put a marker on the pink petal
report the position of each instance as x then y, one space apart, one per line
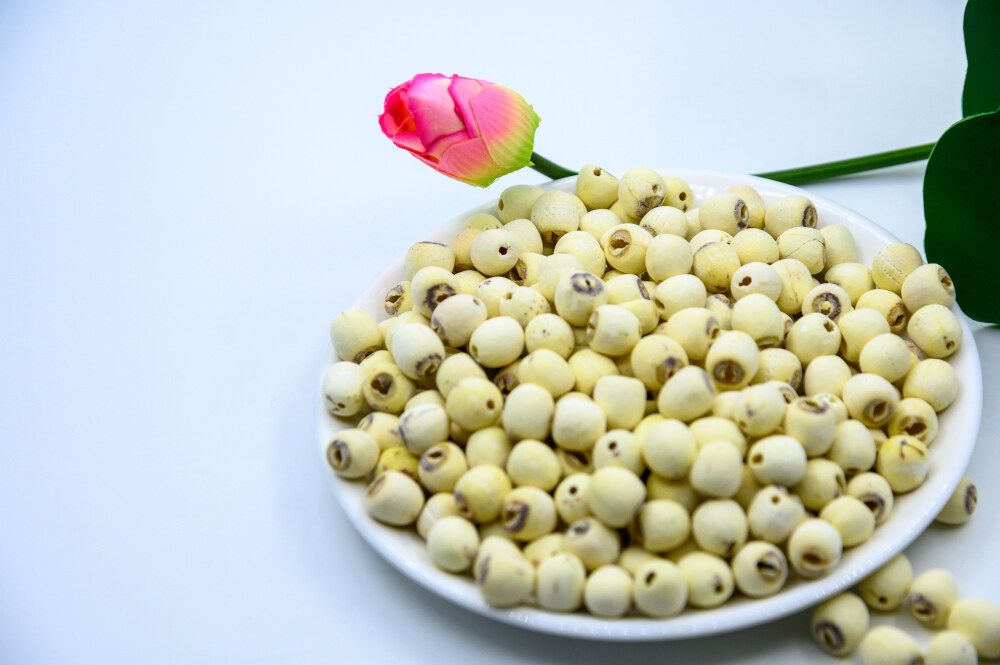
462 90
438 148
408 141
469 162
396 118
432 108
507 124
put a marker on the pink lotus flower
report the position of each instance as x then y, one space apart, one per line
470 130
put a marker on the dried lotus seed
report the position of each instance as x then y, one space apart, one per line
352 453
355 335
803 244
851 518
929 284
583 245
950 648
515 202
660 589
774 513
904 462
709 579
560 582
453 543
534 464
759 569
755 245
625 248
932 595
394 498
934 381
428 253
789 212
715 264
979 622
888 645
726 212
893 264
854 278
596 187
828 299
839 245
839 624
640 190
874 491
608 592
814 548
935 330
435 508
664 220
527 513
555 214
614 495
594 543
887 587
961 505
506 579
661 525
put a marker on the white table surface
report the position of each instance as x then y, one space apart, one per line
190 190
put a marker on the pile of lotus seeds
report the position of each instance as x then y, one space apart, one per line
628 402
841 625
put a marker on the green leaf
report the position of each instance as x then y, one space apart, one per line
961 210
982 48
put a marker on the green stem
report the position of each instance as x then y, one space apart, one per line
847 166
794 176
549 168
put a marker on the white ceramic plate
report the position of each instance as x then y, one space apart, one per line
950 455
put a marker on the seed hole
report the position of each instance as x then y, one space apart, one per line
758 459
435 454
829 326
597 171
775 499
812 559
682 196
879 409
719 588
946 282
949 345
338 456
500 205
746 281
573 490
490 404
916 429
382 384
503 250
473 350
618 243
650 576
882 600
613 445
508 295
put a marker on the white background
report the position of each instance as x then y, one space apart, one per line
190 190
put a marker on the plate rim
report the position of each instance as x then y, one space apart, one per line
692 622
